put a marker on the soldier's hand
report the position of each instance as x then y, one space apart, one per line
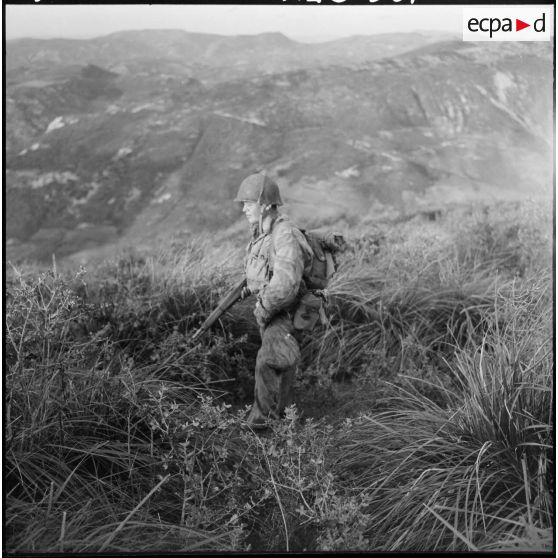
261 314
245 293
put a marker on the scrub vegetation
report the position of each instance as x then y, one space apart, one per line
423 418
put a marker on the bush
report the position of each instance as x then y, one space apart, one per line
79 416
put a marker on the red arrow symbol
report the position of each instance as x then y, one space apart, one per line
519 25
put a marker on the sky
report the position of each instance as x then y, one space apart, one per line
299 22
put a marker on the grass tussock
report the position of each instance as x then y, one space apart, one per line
423 421
473 467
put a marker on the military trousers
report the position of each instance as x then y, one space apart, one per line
276 365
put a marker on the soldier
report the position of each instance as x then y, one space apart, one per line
276 258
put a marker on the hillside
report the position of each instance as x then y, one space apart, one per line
423 417
126 138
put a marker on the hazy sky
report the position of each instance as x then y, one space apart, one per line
302 22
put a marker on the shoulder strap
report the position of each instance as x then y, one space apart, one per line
298 234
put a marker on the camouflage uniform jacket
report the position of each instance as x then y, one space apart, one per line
275 262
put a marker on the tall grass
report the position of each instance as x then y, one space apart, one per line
123 434
474 471
428 288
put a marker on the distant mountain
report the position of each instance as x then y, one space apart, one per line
143 141
198 55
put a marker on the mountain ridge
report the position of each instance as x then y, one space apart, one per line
173 43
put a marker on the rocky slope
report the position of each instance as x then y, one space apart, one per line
143 142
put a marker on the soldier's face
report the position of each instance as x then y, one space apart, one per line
252 212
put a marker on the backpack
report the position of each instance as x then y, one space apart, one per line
325 246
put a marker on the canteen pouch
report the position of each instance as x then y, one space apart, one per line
308 312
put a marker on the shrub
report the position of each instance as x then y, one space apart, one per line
79 417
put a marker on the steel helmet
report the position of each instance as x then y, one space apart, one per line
258 187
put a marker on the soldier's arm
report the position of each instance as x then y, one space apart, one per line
288 267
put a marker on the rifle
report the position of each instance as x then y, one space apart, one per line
224 304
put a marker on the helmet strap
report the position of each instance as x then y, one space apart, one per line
267 216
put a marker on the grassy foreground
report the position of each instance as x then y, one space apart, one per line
423 419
